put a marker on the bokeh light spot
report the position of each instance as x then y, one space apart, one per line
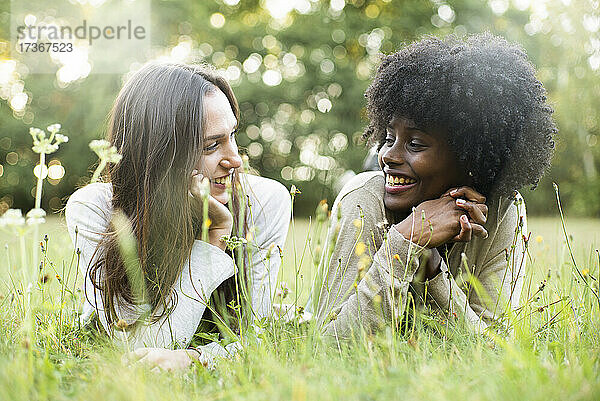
217 20
40 171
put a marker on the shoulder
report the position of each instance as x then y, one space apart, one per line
89 209
98 192
270 207
263 188
367 188
362 196
96 197
505 214
266 196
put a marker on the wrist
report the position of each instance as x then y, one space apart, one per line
434 264
215 234
414 234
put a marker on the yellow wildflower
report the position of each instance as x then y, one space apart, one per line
360 248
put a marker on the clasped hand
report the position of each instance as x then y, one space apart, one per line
456 216
221 220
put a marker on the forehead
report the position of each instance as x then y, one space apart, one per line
218 115
402 122
407 125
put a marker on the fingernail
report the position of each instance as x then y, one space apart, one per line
460 201
194 172
453 192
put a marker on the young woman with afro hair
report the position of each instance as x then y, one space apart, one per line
461 124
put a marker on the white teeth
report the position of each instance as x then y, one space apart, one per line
395 180
223 180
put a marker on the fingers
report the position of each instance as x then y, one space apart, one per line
134 356
467 193
138 356
479 231
157 359
468 229
477 211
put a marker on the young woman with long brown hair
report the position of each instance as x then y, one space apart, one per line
174 125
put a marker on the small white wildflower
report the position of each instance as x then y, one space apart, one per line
47 145
60 138
12 218
105 151
54 128
36 133
36 213
205 188
36 216
98 145
115 157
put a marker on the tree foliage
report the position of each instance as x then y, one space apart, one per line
300 74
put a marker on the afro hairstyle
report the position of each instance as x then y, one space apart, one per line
482 92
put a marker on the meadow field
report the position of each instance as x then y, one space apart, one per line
553 354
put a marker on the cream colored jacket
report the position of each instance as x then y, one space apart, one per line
366 273
89 210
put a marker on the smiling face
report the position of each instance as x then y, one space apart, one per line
418 166
220 156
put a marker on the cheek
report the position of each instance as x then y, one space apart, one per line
208 164
444 171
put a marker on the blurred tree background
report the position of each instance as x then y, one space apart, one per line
299 69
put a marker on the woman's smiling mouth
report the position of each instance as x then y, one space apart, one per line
398 183
222 182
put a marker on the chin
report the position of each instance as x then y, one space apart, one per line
396 205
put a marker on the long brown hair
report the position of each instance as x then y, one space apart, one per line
156 125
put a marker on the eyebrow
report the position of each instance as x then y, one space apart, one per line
211 138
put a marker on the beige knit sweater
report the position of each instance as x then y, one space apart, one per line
366 273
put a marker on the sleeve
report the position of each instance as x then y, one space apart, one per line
88 214
366 280
268 221
499 276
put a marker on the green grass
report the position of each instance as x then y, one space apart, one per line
554 353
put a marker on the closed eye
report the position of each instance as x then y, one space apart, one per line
211 147
415 145
215 144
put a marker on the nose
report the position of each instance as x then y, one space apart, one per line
231 159
392 155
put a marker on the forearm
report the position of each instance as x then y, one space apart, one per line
377 300
444 293
191 292
380 296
